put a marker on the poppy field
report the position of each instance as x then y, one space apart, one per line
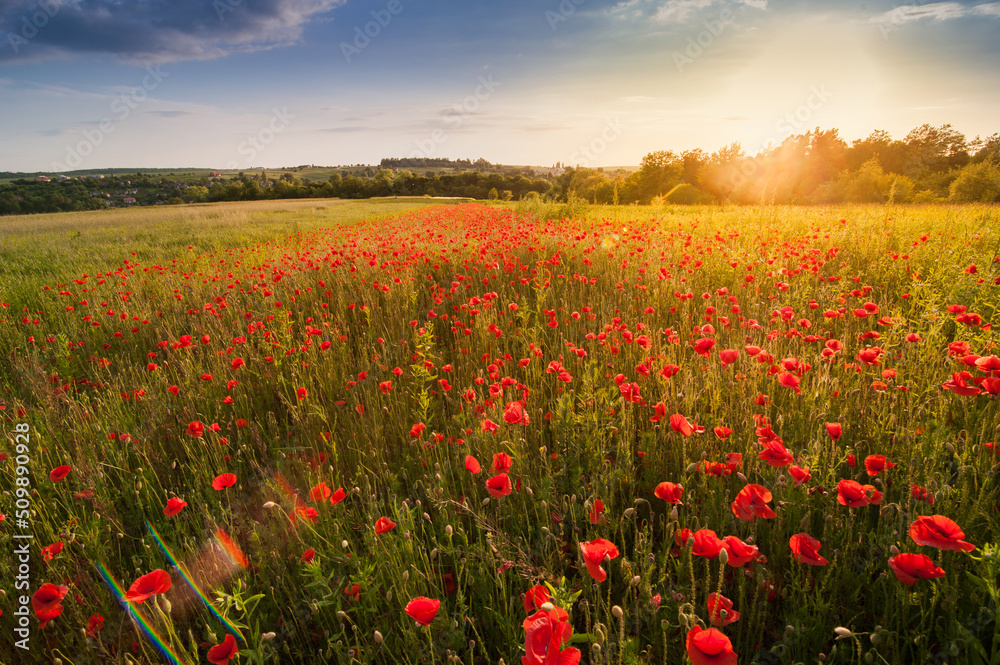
494 433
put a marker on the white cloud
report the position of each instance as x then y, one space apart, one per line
937 11
756 4
989 9
678 11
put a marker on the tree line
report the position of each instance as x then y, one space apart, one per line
930 164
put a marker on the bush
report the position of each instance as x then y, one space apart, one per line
977 183
687 194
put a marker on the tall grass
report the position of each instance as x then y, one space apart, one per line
320 300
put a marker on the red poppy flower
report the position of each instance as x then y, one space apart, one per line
716 603
499 485
707 544
908 568
174 390
223 481
308 555
709 647
502 463
704 346
875 464
751 502
417 430
58 473
739 552
805 549
95 624
852 494
789 380
423 610
722 433
515 414
834 430
48 597
669 492
319 492
195 429
728 356
679 423
384 524
338 496
775 453
221 653
150 584
545 635
596 511
52 550
174 506
304 512
940 532
353 591
490 426
799 474
472 464
594 554
535 597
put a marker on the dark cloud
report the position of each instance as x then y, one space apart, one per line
148 31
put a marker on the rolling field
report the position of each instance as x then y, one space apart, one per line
392 432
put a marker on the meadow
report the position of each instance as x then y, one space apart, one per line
394 432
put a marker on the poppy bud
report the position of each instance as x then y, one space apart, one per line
673 514
724 559
628 513
739 474
434 553
950 447
596 648
547 607
636 580
267 637
378 637
448 531
843 632
427 517
270 504
682 619
617 612
342 614
691 468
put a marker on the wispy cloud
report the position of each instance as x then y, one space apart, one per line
935 11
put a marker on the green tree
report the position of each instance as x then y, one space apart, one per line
978 182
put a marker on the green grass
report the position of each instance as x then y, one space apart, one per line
332 297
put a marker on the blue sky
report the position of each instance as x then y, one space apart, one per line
245 83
